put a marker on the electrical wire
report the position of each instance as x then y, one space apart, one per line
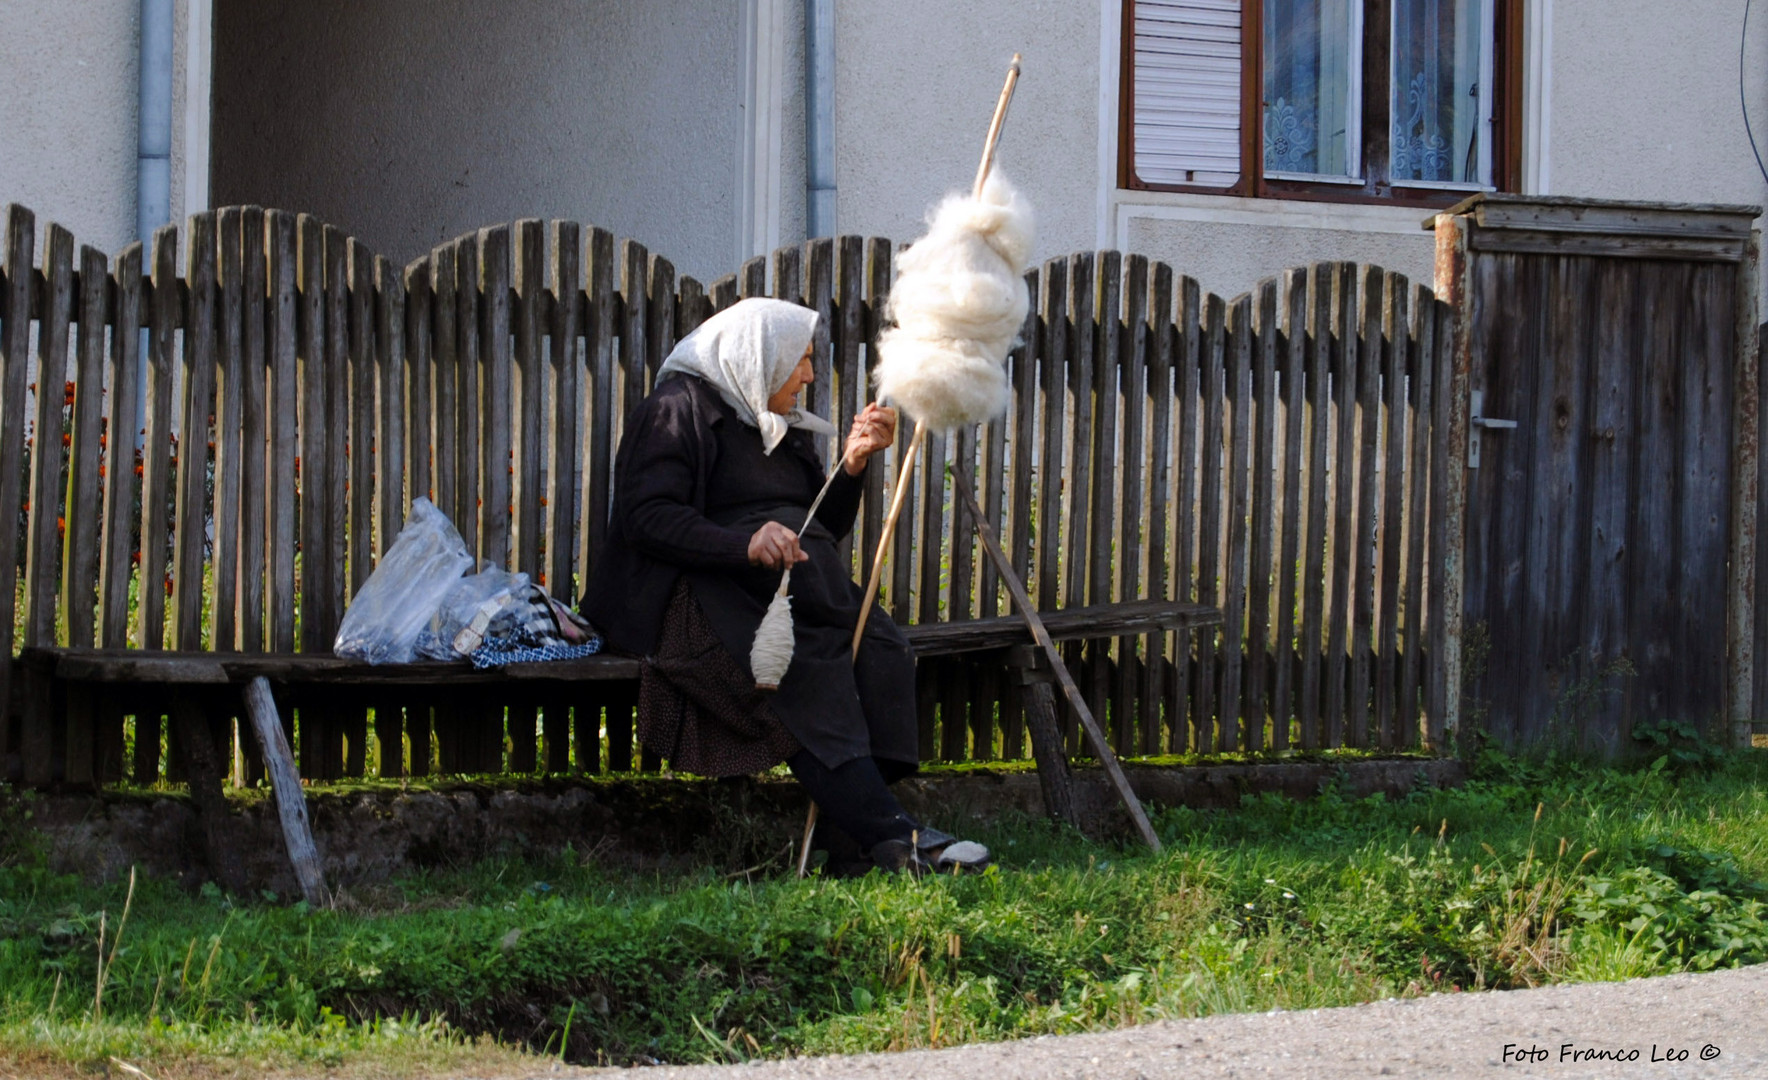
1743 100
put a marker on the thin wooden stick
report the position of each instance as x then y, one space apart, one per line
995 125
804 848
1022 601
904 474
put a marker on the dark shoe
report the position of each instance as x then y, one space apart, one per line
930 840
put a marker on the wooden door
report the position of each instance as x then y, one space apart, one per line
1599 587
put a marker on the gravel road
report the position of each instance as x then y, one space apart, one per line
1703 1026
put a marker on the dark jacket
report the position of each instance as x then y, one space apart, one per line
665 519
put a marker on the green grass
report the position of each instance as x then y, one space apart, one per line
1527 875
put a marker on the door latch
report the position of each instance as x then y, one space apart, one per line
1480 420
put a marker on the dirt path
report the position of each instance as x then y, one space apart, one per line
1447 1036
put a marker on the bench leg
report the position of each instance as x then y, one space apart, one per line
1046 747
37 730
204 768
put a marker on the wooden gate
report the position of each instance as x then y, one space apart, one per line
1606 413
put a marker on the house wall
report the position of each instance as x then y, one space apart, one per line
1645 100
68 86
1639 101
406 124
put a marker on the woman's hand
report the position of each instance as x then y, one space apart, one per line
775 547
873 430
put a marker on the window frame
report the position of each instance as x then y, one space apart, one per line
1376 185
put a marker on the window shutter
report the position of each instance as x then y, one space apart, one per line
1187 91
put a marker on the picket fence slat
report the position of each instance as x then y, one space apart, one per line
527 424
496 379
122 375
282 336
79 574
15 339
1159 584
1421 384
1188 356
254 431
1392 523
564 385
1265 344
42 538
229 432
469 432
360 449
1293 366
392 464
1237 499
156 454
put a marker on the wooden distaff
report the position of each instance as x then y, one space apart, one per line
906 471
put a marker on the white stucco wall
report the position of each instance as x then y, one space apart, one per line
68 87
1645 100
406 125
916 84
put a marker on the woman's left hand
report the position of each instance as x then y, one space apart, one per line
873 430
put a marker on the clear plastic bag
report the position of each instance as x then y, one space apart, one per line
459 622
399 599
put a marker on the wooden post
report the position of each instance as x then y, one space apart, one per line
1046 735
204 771
1113 770
291 804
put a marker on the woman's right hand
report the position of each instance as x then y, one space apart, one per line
775 547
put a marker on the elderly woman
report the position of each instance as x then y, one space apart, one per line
713 479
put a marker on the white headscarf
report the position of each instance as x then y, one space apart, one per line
746 352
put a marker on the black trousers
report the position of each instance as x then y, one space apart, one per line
855 797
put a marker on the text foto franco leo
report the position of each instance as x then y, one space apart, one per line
1570 1053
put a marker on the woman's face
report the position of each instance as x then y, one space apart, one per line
782 400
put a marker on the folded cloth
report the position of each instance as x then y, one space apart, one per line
526 619
489 656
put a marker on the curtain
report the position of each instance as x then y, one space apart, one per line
1435 93
1310 93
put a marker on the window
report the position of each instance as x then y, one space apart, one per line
1410 100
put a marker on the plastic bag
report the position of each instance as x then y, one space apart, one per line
459 622
399 599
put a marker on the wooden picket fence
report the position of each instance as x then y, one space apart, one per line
1277 455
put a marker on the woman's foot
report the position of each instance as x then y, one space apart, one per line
930 851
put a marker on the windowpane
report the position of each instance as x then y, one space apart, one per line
1436 97
1187 92
1313 77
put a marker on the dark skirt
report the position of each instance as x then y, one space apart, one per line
698 706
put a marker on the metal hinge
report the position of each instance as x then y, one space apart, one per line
1480 420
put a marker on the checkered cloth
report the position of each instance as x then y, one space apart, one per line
490 656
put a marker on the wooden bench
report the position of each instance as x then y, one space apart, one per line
60 683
